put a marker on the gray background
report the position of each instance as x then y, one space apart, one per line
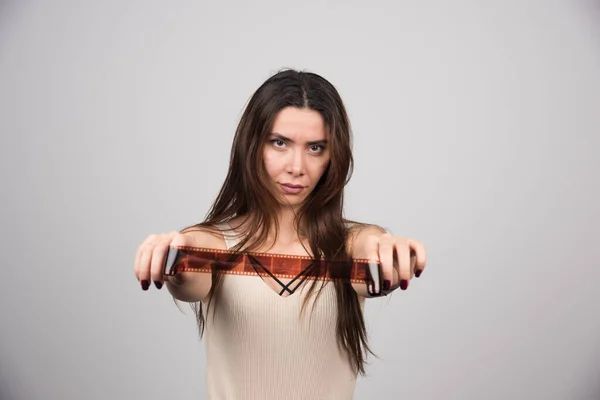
476 131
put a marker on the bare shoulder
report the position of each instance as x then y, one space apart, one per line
209 237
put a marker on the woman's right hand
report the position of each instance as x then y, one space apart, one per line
184 286
150 257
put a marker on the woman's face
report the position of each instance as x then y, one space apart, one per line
296 153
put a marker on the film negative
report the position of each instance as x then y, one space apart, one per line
276 266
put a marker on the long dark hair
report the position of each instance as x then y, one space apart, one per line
246 192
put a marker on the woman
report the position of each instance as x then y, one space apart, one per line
283 194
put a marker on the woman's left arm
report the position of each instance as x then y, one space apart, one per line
401 258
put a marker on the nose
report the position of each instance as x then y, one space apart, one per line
296 163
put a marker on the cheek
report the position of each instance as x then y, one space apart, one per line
320 169
270 162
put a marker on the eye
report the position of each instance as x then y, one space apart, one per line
317 148
278 143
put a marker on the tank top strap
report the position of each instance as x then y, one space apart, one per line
229 235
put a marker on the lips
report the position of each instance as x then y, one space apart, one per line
291 189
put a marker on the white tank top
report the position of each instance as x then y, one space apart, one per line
259 347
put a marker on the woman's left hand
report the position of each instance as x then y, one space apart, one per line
401 258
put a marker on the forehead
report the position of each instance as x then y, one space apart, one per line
300 123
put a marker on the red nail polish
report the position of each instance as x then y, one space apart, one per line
418 272
158 284
403 284
145 284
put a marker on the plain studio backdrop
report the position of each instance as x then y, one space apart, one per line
476 130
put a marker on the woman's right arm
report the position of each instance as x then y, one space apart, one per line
184 286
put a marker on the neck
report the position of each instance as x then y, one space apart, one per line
287 231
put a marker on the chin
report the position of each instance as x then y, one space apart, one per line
291 201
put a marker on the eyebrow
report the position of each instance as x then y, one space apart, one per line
280 136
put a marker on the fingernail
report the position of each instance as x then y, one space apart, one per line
145 284
158 284
386 285
418 272
403 284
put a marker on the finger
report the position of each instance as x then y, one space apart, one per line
419 256
403 256
159 253
372 248
136 265
156 265
386 255
372 254
144 267
180 240
138 256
